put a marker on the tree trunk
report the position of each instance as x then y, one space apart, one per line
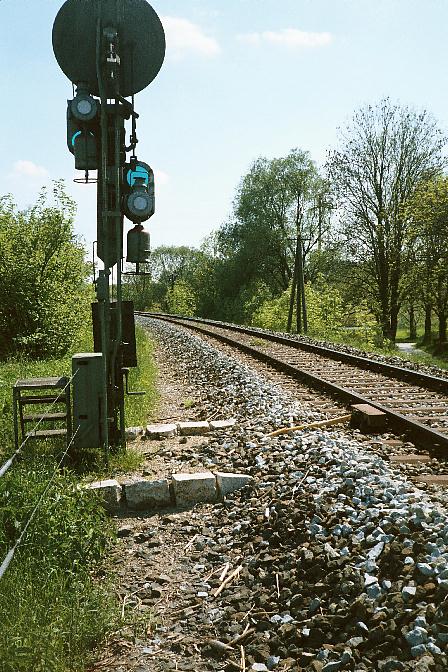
428 324
442 327
412 324
304 310
393 325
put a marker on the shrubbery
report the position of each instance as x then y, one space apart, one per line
44 294
328 317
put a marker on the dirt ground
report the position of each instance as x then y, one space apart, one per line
159 556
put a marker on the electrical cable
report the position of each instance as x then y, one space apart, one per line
13 457
9 556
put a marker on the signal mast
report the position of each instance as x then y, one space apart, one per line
110 50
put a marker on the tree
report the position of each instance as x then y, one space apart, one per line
167 266
278 210
385 153
44 294
181 299
428 238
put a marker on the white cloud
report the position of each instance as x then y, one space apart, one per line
29 169
288 37
183 36
160 178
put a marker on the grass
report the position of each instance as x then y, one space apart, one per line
425 356
139 409
57 599
257 342
403 336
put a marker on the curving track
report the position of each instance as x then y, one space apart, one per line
415 403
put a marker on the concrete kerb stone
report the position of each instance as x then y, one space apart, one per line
185 490
132 433
193 488
166 431
144 494
221 424
228 483
161 431
110 491
193 428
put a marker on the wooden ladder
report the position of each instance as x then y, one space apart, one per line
42 393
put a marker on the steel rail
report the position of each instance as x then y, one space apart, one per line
421 433
434 383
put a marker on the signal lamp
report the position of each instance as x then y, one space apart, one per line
138 187
139 203
84 107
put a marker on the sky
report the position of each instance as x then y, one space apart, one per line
241 79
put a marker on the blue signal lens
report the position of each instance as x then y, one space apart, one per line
75 136
141 172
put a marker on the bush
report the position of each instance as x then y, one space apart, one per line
44 295
328 317
181 299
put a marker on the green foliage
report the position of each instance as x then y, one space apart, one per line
273 313
384 153
56 598
52 609
275 201
143 377
180 299
329 317
169 265
44 296
428 237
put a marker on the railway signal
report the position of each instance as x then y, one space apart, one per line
138 200
110 50
83 130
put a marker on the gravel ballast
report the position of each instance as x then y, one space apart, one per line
344 561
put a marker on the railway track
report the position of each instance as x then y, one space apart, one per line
415 403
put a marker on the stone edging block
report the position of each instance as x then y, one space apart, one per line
147 494
161 431
184 490
228 483
110 491
165 431
192 488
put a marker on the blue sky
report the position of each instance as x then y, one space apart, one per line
241 79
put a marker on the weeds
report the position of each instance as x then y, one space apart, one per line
56 598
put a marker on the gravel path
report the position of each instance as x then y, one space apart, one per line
343 560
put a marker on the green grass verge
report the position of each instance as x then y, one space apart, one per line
57 599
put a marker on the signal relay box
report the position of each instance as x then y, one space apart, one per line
87 386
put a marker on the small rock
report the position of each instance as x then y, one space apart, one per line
418 650
124 531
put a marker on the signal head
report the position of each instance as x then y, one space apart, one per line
84 107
